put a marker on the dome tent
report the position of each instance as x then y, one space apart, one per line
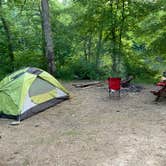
29 91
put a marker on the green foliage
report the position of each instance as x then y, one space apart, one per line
85 70
90 36
30 58
80 69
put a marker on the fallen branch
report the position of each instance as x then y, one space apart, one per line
82 85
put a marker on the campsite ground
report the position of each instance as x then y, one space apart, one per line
89 130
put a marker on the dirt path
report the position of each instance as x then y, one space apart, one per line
89 130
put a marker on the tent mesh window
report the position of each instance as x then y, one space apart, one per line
40 86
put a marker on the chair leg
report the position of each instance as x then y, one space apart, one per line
114 94
119 93
157 98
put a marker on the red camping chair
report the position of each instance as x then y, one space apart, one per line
114 86
161 92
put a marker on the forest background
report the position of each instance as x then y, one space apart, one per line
90 39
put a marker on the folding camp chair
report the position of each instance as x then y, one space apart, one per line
114 86
161 92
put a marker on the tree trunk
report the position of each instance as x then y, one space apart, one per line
113 42
121 31
89 46
99 44
9 39
49 50
85 50
43 36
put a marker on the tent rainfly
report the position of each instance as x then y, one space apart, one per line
29 91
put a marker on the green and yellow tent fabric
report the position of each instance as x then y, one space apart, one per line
28 91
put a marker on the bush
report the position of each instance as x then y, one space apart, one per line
80 69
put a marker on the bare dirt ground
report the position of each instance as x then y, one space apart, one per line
90 129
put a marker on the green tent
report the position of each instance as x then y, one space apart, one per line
28 91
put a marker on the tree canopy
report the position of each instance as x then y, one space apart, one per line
87 39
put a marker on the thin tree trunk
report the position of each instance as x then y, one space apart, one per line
49 50
114 52
9 42
113 33
9 38
122 22
99 44
89 47
43 41
121 31
85 50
